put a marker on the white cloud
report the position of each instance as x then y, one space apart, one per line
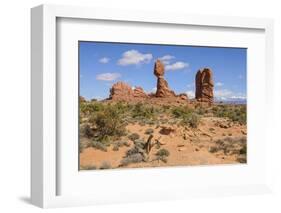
225 94
219 84
166 59
190 94
177 65
104 60
132 57
108 76
154 89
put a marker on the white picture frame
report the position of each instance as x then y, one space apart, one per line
45 178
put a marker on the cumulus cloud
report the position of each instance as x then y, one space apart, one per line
108 76
219 84
134 57
225 94
104 60
177 66
154 89
166 59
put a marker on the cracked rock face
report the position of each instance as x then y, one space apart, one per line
204 86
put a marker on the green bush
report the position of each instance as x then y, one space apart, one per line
163 153
108 124
142 111
134 136
98 145
91 107
133 158
149 131
236 113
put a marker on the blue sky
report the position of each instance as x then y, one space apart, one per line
103 63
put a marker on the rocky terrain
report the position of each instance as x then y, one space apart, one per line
132 129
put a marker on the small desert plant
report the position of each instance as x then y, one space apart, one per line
133 158
105 165
108 124
81 147
98 145
134 136
90 107
192 120
86 131
163 152
234 113
149 131
230 145
142 111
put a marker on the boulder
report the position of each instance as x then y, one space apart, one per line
158 68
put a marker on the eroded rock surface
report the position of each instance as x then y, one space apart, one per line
204 86
163 89
123 91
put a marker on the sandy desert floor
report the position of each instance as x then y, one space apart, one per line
216 140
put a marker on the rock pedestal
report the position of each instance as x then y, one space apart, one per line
204 86
163 90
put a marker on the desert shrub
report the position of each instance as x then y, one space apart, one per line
139 143
98 145
149 131
200 110
90 107
134 136
181 112
230 145
105 165
163 153
188 116
118 144
81 147
234 113
142 111
213 149
108 124
191 120
86 130
133 158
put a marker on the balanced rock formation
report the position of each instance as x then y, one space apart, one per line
122 91
163 90
204 86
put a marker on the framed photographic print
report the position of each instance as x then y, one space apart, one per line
130 106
